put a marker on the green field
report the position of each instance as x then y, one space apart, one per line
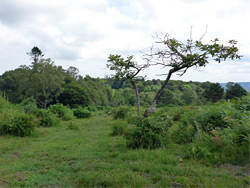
90 157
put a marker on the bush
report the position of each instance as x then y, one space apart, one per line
3 102
17 123
109 111
147 134
73 126
119 128
47 118
29 105
121 112
242 104
230 145
82 113
91 108
100 107
133 119
216 117
61 111
181 134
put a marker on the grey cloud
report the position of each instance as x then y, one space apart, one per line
12 13
67 54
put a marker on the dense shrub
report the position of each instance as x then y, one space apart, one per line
61 111
47 118
92 108
223 135
215 117
120 112
100 107
227 145
73 126
109 111
119 128
177 113
133 118
3 103
16 122
29 105
147 134
242 104
82 113
181 133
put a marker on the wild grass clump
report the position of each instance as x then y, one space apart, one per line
17 123
100 107
216 134
227 145
3 103
242 104
119 128
148 134
121 112
61 111
216 117
29 105
180 133
47 118
73 126
92 108
81 113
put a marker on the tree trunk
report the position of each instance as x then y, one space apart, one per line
148 112
137 98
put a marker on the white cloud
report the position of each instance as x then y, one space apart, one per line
83 33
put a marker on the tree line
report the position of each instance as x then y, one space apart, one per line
50 84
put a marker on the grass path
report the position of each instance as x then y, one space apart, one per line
89 157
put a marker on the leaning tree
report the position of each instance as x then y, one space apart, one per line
179 57
127 70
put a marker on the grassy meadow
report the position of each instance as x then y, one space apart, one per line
82 153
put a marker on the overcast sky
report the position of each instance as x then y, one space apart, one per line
82 33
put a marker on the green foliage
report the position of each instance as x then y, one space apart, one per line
16 84
120 112
188 95
47 118
82 113
234 91
214 92
46 81
216 117
119 128
93 108
242 104
100 95
73 126
181 133
61 111
35 54
74 95
29 105
17 123
90 158
125 69
132 118
227 145
100 107
3 103
166 98
148 134
176 113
